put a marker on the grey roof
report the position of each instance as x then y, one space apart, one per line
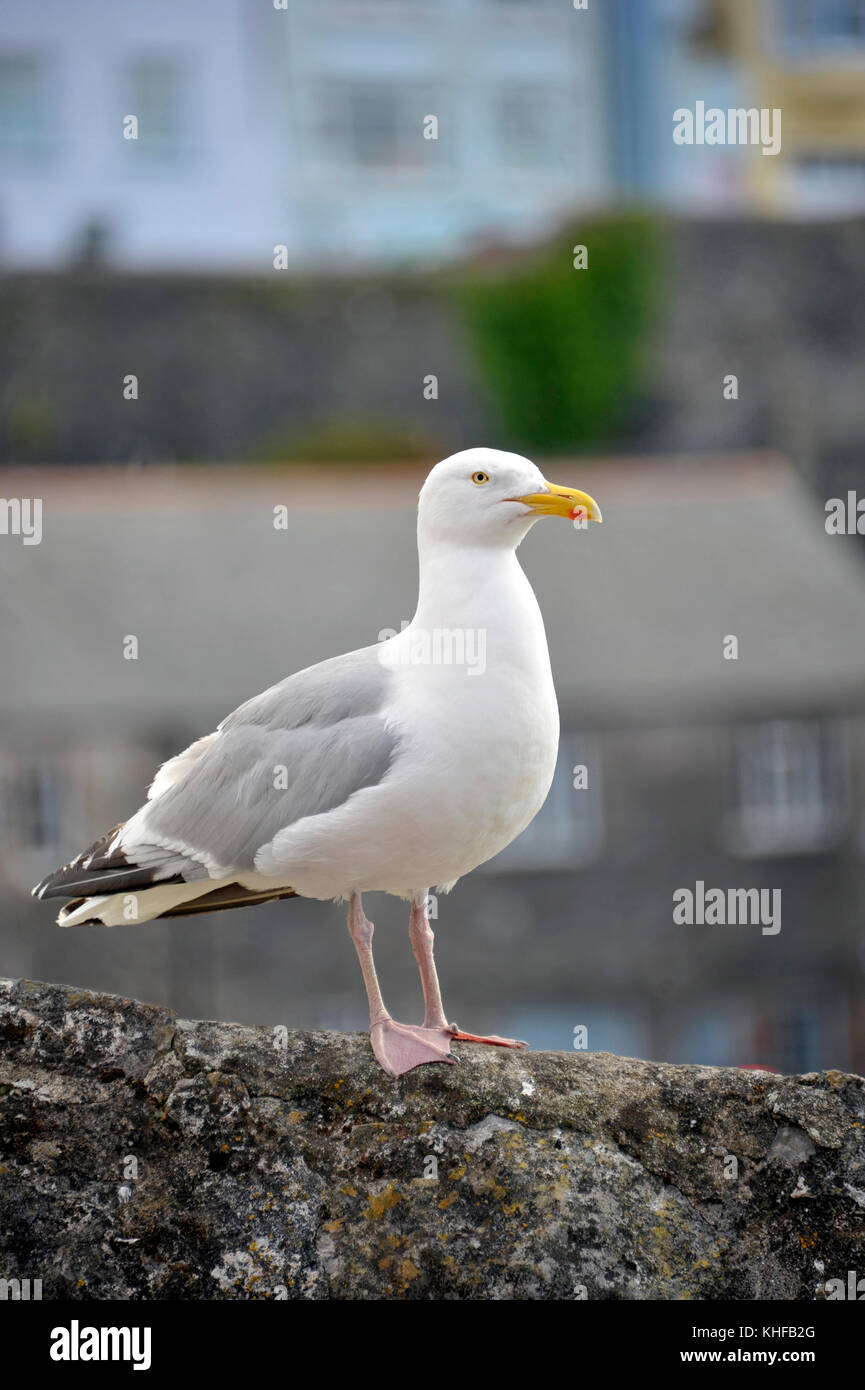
223 604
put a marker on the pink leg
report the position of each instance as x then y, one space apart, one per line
397 1046
422 938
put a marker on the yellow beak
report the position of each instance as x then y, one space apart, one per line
563 501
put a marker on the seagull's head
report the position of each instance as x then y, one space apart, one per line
488 497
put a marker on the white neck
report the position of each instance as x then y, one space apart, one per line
482 590
466 585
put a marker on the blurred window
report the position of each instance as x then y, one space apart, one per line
23 118
526 14
814 25
791 792
32 794
158 97
621 1030
523 126
794 1031
798 1035
829 184
376 124
568 831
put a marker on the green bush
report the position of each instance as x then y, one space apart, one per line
561 350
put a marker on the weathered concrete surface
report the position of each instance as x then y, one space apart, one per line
273 1164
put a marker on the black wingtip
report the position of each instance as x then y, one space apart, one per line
52 886
89 869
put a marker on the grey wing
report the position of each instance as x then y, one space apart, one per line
301 748
344 687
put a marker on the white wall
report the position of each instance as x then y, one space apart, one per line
214 202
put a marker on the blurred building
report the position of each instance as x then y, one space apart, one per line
677 765
422 129
806 57
399 132
351 131
344 131
196 188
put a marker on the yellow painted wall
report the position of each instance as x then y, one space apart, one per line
821 95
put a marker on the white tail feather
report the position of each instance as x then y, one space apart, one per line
120 909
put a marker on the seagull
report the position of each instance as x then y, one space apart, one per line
397 768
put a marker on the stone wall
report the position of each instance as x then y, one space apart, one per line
142 1156
231 368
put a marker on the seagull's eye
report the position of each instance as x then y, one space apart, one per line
480 477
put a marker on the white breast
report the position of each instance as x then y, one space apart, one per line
478 745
